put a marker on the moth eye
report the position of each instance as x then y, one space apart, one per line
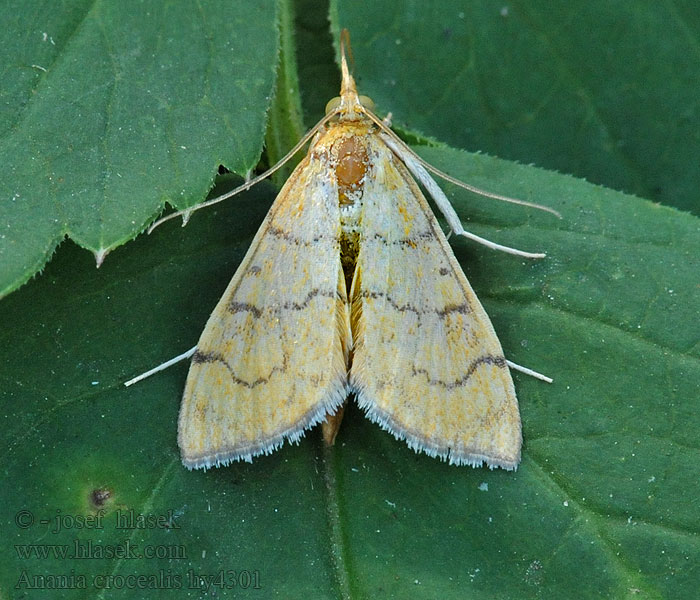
333 103
367 102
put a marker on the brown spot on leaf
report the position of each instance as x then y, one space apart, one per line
100 496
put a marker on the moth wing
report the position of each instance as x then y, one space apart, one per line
427 365
272 360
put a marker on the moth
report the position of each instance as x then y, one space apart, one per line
350 288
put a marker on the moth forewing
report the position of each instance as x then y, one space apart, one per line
272 360
427 365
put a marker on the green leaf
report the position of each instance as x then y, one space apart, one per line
607 91
109 111
285 125
607 485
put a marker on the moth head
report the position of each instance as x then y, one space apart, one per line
349 105
334 104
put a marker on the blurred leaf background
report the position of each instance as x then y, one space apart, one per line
109 112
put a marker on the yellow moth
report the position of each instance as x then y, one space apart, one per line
350 288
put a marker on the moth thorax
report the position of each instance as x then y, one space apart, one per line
350 168
350 171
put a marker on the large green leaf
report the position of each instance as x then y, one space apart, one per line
607 486
111 109
608 482
604 90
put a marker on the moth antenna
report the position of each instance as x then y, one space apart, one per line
186 213
446 208
450 179
486 193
